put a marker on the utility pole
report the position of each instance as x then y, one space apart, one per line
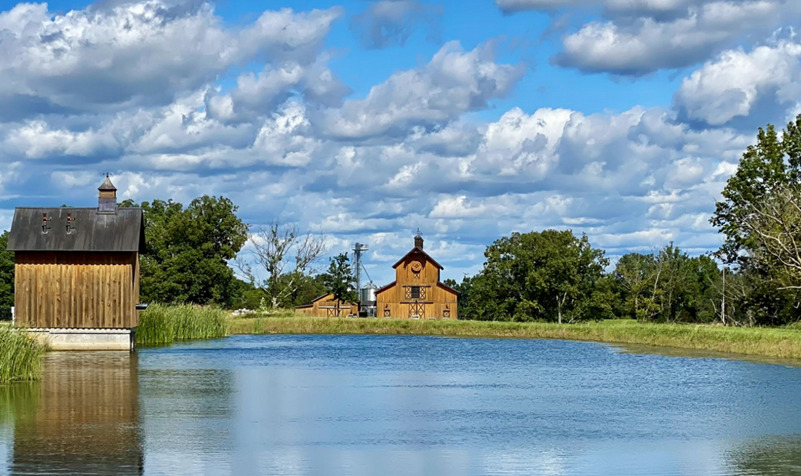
357 258
723 303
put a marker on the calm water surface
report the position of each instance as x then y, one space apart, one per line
366 405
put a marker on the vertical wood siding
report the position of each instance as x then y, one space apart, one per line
76 290
439 303
325 307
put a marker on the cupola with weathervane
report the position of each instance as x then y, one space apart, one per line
107 197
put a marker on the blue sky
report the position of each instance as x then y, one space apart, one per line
365 120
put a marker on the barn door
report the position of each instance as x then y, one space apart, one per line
417 310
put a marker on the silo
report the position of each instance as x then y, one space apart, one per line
367 300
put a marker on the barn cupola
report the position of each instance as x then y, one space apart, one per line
418 241
107 199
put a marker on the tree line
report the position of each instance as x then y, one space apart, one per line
205 254
753 279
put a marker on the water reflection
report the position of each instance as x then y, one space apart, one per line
768 457
82 418
364 405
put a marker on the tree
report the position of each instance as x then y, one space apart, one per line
284 256
764 167
549 276
339 280
187 251
775 227
760 221
6 277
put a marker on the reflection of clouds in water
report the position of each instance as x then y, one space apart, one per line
618 457
525 461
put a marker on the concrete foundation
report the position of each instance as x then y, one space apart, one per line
87 339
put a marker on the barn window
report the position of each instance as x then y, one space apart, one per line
415 292
45 223
70 226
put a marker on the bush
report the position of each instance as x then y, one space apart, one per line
5 313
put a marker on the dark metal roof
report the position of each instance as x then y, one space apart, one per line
91 230
416 250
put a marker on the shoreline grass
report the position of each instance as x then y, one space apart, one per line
162 324
21 356
783 343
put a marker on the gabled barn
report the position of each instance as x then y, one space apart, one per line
77 272
326 306
417 292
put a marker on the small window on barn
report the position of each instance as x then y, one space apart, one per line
415 292
70 221
45 223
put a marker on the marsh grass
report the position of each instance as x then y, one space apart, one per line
20 355
162 324
783 343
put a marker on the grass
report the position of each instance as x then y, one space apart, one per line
782 343
161 324
20 356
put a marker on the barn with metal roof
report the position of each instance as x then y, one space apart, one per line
77 271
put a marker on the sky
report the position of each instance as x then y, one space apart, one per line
368 120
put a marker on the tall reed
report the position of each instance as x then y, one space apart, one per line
163 324
20 355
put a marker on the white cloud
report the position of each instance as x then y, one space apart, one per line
637 37
734 83
452 83
117 55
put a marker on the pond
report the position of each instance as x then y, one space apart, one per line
364 405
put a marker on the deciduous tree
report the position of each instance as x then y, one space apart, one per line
283 257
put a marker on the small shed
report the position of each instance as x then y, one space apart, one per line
326 306
417 292
77 272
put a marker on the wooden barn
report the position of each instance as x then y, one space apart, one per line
77 272
326 306
417 292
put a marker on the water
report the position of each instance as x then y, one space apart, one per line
364 405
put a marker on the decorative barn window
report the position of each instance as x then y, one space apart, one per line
386 310
70 221
415 292
446 312
45 223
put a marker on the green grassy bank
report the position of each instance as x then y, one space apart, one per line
782 343
20 356
160 324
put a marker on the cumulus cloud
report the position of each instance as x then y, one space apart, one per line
453 82
391 22
112 57
279 135
637 37
733 84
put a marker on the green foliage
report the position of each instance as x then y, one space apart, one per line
757 216
6 278
339 279
188 250
20 355
668 286
161 324
771 162
549 275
